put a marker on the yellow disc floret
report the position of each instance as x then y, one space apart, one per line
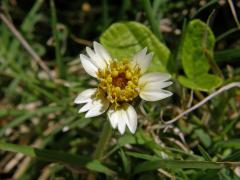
119 82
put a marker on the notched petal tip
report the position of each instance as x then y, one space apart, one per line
97 107
121 127
95 44
150 55
113 117
102 52
144 50
99 55
142 59
85 96
154 77
122 117
155 95
131 118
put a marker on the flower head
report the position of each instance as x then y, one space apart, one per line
120 82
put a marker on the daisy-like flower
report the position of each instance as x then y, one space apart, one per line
120 82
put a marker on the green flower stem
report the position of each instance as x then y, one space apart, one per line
154 24
101 146
103 141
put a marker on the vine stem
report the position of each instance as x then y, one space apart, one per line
219 91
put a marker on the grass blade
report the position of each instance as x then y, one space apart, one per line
154 24
227 55
207 5
48 155
99 167
227 33
204 153
142 156
233 143
176 164
26 116
61 70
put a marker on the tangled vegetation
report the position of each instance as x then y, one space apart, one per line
193 134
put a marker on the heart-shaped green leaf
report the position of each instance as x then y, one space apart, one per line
197 40
204 82
123 40
197 48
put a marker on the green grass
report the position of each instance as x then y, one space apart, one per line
39 119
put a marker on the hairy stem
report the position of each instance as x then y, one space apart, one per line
219 91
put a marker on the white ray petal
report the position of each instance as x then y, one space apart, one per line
88 66
157 85
154 77
151 86
121 124
142 59
140 55
154 95
102 52
96 59
89 59
98 107
85 96
86 107
114 116
130 117
125 115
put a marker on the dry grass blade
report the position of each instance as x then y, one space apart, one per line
234 13
25 44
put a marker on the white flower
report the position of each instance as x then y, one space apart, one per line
120 82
